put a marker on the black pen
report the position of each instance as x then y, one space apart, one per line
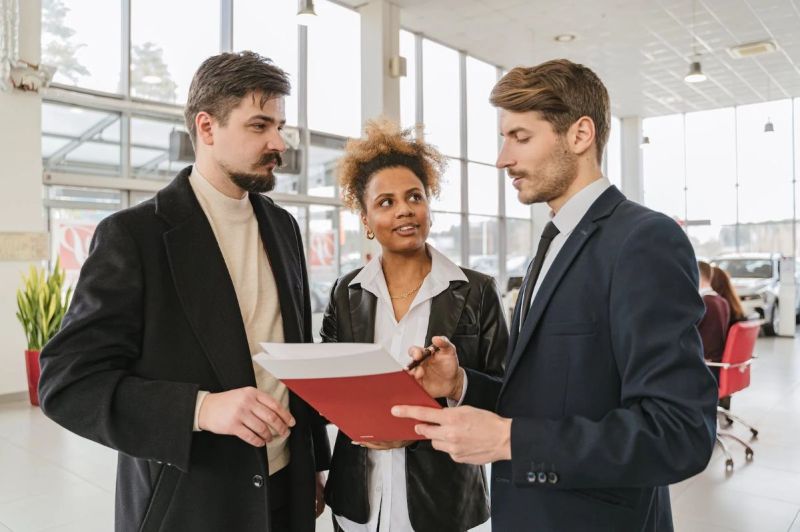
427 352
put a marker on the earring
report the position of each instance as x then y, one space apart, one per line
370 234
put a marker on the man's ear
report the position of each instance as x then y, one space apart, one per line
203 123
582 135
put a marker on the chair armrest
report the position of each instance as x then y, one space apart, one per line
724 365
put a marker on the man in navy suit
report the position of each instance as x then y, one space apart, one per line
606 399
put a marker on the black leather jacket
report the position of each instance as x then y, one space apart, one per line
442 495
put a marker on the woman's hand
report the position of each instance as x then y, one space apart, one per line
439 374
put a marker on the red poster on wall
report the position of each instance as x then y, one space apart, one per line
73 241
322 250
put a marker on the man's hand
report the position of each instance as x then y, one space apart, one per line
247 413
468 435
439 375
320 494
384 445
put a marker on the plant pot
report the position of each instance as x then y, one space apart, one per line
32 367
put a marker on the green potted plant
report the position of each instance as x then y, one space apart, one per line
41 303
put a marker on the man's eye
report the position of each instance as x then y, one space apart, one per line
259 127
523 140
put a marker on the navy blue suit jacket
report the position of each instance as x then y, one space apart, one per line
605 382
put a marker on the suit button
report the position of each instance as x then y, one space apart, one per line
531 477
552 478
542 477
258 481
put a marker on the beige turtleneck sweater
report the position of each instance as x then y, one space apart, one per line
236 230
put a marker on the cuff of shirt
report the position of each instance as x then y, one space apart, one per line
450 402
201 395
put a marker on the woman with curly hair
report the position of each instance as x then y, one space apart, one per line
404 297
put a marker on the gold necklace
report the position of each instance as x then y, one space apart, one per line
409 292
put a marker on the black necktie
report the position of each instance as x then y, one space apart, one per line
549 233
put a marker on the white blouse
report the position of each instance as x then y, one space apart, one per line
387 480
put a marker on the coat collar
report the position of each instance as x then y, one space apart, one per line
205 288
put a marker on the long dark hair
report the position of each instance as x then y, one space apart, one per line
721 284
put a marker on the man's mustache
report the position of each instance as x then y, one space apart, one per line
269 158
517 173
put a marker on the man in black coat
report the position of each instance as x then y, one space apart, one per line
606 399
154 356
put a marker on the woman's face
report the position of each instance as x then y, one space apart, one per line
396 209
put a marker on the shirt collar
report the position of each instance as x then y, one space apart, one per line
443 271
573 211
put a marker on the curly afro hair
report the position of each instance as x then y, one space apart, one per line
386 146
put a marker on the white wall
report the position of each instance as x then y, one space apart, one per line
20 195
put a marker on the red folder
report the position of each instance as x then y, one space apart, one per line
354 386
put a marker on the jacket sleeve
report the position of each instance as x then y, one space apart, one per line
483 387
494 331
319 432
663 431
87 384
329 331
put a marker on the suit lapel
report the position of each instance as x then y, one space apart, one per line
601 208
446 309
204 285
282 247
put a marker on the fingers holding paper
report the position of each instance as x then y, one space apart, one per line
439 374
469 435
247 413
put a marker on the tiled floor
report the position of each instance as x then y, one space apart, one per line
52 480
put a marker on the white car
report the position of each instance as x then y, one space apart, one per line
756 278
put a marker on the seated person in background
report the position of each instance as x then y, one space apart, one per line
713 327
722 285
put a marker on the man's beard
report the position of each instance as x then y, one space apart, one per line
553 180
253 182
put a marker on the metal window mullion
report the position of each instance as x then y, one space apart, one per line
302 124
337 247
302 107
126 171
736 173
226 25
502 246
685 181
462 139
794 179
126 43
419 115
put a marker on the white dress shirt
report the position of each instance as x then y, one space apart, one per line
387 477
566 219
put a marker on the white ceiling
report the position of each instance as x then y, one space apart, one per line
640 48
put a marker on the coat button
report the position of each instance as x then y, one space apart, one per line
531 477
258 481
542 477
552 478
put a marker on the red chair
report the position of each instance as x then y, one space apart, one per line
734 376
